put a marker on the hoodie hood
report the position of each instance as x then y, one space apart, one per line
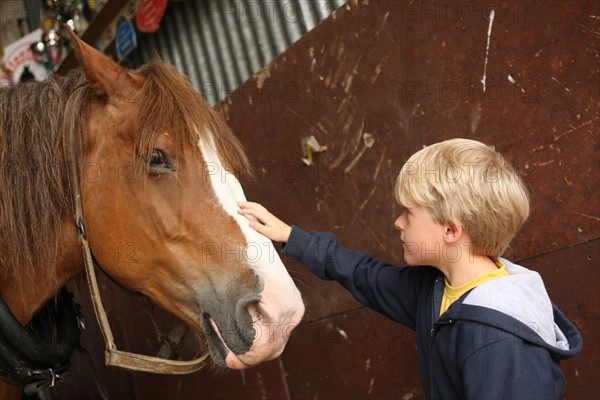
521 296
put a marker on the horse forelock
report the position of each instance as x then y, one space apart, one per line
169 103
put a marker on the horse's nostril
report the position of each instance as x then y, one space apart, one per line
246 311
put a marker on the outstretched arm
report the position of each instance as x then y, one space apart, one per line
265 223
375 283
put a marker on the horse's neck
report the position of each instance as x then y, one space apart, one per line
28 296
10 392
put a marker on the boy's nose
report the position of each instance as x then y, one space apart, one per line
398 223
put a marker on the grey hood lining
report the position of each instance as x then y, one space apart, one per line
521 295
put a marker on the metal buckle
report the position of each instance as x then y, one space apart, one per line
81 322
81 228
47 375
44 378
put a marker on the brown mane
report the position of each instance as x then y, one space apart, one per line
35 190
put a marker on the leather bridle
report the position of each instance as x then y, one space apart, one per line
113 356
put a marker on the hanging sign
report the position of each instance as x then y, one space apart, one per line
18 56
149 15
126 40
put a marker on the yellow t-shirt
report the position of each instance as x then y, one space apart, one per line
451 294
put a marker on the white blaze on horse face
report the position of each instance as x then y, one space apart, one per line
281 305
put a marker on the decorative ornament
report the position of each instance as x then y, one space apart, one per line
149 15
126 40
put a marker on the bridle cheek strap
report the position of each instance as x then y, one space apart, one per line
113 356
123 359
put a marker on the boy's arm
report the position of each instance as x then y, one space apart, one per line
391 290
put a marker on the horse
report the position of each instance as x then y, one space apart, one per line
158 173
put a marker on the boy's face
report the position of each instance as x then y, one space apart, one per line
422 237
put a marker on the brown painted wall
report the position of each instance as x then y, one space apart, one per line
409 73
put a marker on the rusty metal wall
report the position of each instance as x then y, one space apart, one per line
409 73
219 44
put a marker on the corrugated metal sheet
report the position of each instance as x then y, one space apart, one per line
219 44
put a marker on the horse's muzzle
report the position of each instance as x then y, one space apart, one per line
254 333
230 329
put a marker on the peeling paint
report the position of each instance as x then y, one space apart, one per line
476 117
261 76
487 49
366 201
368 142
576 128
543 164
378 69
382 26
561 84
587 216
345 129
342 332
379 164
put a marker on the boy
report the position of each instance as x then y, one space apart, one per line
486 328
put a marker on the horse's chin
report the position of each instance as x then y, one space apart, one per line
216 346
218 349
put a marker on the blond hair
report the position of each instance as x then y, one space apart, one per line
468 183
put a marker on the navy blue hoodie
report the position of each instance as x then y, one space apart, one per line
502 340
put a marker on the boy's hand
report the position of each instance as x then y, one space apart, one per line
265 223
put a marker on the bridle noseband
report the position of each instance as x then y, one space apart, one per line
113 356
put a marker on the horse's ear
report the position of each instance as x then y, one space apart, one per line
104 75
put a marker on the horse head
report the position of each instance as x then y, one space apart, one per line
158 179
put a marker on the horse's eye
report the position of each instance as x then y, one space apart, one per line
157 159
160 162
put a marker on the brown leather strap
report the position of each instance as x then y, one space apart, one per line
113 356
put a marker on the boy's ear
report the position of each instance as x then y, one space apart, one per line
453 231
